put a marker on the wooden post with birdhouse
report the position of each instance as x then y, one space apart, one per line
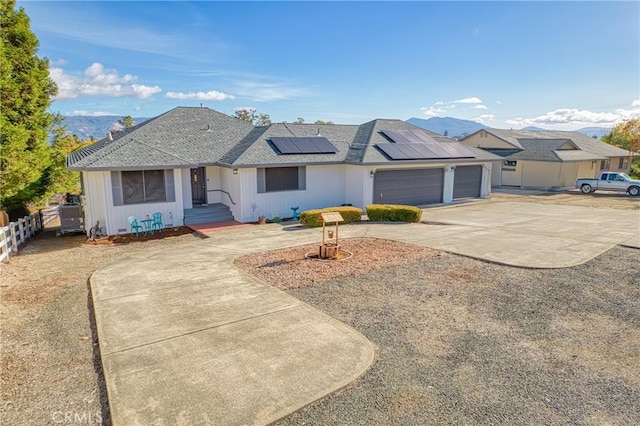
330 246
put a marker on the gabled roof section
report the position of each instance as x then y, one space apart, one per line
257 149
541 143
181 137
548 150
370 154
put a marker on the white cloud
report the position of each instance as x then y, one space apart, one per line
473 100
96 80
432 111
441 107
573 118
212 95
265 92
91 113
58 62
635 103
484 118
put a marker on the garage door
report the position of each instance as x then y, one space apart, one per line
412 187
467 181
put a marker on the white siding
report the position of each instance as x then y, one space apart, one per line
325 187
212 175
496 174
99 204
94 184
185 175
233 185
487 175
355 179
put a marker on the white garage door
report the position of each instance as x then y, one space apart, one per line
467 181
413 187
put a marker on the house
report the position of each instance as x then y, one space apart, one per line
546 159
197 165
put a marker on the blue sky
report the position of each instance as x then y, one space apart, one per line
557 65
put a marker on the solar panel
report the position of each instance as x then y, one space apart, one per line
408 136
303 145
424 151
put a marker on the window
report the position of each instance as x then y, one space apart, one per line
142 186
604 176
483 134
275 179
509 165
604 165
624 162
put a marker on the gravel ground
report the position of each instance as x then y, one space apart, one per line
51 371
462 341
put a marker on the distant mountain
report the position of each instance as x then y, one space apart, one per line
86 127
455 127
595 131
598 132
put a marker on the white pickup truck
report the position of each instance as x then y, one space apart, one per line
610 181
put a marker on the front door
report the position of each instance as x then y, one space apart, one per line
198 186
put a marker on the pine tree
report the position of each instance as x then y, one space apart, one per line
27 91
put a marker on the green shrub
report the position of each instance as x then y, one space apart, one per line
309 218
393 213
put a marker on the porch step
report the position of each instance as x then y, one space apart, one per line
206 214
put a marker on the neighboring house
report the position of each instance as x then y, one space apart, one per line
189 158
547 159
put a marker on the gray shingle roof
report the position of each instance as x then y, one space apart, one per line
260 151
372 155
181 137
191 137
541 145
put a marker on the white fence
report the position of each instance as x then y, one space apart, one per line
17 233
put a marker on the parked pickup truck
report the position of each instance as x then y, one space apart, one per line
610 181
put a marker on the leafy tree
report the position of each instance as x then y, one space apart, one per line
247 114
27 91
127 121
323 122
250 115
263 120
626 135
299 120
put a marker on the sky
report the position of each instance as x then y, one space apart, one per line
555 65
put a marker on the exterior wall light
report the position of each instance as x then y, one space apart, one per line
235 171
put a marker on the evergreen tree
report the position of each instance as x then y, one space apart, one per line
27 91
60 180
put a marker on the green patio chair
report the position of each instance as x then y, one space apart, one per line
135 228
157 221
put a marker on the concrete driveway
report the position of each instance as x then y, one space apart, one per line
530 234
187 338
